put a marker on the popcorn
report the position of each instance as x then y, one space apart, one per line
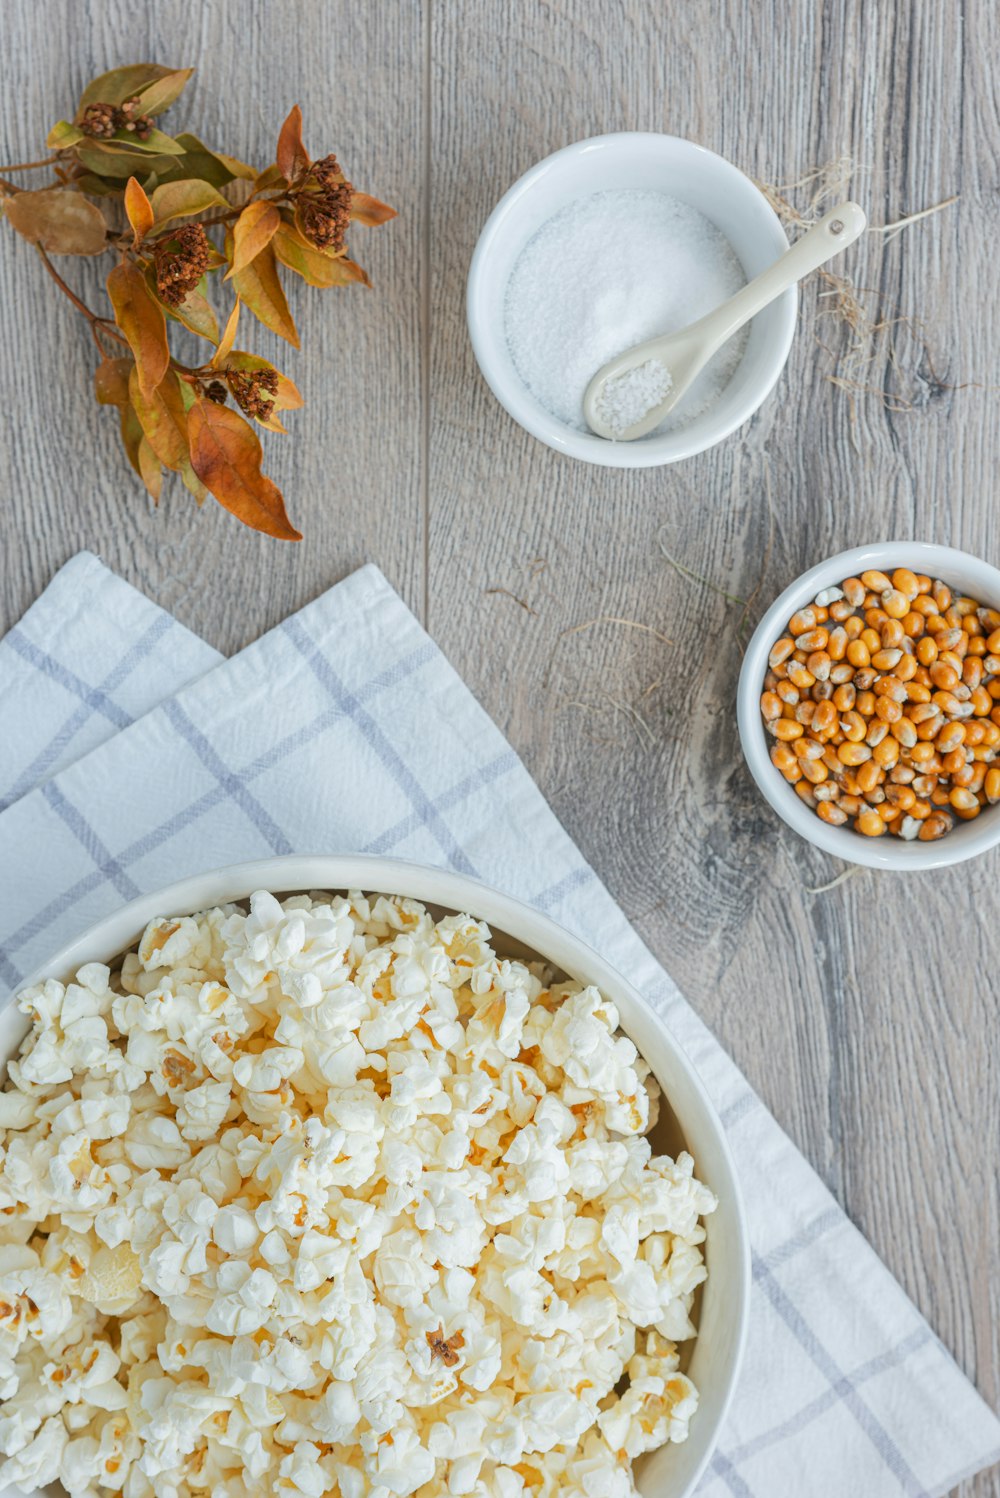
369 1208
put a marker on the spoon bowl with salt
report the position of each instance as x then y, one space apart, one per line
631 394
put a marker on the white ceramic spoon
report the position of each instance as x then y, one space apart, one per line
685 353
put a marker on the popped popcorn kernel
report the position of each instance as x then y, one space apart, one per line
327 1196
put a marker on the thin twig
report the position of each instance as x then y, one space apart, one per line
508 594
27 166
66 290
99 326
614 619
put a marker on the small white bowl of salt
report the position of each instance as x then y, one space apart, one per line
608 243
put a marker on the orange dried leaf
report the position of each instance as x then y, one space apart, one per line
163 419
350 272
314 266
228 337
139 209
226 455
131 435
195 313
141 320
368 210
287 397
111 381
61 221
292 156
259 286
149 470
252 232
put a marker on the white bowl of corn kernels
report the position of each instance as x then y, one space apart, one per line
869 705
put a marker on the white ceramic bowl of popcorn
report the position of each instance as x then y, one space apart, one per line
687 1121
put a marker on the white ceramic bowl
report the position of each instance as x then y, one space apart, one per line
674 1471
646 162
963 573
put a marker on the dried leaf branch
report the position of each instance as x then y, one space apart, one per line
170 190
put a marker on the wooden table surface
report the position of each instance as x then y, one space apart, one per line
866 1014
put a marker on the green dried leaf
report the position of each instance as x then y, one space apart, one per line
185 198
238 168
154 144
161 94
63 135
193 483
199 161
111 162
97 187
121 84
58 219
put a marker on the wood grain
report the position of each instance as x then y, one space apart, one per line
865 1014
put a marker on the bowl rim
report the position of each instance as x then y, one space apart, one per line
518 402
291 873
851 847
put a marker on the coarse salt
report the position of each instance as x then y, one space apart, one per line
627 397
605 273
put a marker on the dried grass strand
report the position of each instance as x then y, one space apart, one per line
696 577
506 593
822 889
647 629
891 230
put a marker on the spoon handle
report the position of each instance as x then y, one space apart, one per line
834 232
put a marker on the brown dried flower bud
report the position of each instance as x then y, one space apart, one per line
326 170
180 263
134 120
100 120
254 391
323 205
217 392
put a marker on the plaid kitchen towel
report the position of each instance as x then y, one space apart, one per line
87 659
345 729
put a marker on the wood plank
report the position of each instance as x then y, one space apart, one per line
358 73
865 1015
